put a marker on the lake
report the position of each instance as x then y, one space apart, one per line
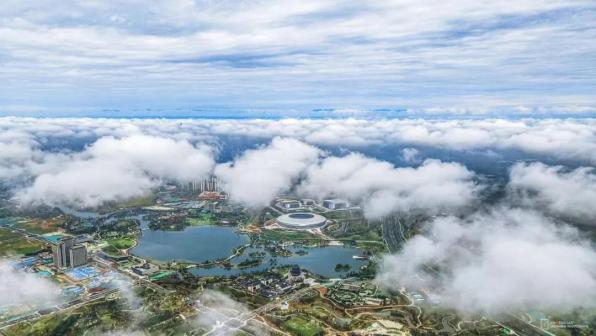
194 244
199 244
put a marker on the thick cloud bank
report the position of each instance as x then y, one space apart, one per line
571 194
113 169
258 175
383 188
504 260
17 288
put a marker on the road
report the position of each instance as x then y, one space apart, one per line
58 308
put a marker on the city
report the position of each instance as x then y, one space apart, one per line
297 168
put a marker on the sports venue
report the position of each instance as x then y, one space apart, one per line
301 221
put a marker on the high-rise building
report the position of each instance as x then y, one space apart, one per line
61 251
78 255
67 254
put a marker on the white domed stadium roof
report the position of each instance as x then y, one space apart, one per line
301 220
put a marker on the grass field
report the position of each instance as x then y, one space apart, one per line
14 243
303 327
280 235
122 243
111 250
138 202
204 219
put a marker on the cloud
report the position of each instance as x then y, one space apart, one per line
462 57
223 316
504 260
560 139
258 175
20 288
410 155
383 188
555 189
114 169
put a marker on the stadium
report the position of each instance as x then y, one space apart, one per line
301 221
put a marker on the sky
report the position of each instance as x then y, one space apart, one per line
272 58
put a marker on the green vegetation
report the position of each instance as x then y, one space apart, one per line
249 263
138 202
111 250
284 235
14 243
6 235
122 243
39 226
342 267
201 220
302 327
102 316
372 247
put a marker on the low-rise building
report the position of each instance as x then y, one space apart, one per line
146 269
336 204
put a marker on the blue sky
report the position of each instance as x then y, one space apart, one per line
183 57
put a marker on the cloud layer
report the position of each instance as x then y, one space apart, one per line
556 190
508 259
115 169
382 188
429 56
20 288
258 175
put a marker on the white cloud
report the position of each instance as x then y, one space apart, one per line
502 261
383 188
221 315
555 190
116 169
564 139
19 288
258 175
464 55
410 155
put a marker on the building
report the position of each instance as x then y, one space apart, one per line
307 202
295 274
301 221
146 269
211 196
78 256
372 301
66 254
60 252
336 204
290 204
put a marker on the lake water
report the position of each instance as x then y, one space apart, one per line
194 244
198 244
319 260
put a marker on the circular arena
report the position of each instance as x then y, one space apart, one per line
301 221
